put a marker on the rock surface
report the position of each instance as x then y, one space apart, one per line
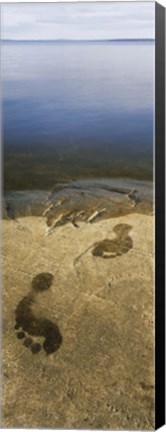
101 376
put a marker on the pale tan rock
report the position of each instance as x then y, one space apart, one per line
102 376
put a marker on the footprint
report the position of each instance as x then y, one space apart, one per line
29 327
115 247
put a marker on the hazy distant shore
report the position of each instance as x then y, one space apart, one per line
76 40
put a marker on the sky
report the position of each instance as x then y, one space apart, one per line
85 21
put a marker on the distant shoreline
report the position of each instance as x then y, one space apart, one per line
74 40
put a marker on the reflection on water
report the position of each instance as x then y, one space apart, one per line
76 109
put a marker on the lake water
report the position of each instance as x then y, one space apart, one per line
77 110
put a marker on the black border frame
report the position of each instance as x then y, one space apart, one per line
159 215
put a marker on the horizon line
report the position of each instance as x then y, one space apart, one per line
79 40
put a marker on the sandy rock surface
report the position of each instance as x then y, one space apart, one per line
102 375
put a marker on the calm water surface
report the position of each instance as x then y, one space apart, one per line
76 110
